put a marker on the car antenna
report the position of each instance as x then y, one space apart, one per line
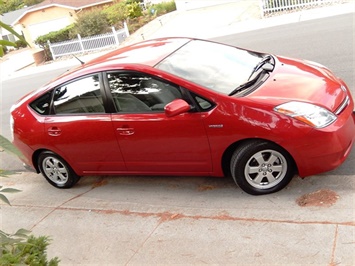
81 62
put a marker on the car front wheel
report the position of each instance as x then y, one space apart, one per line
56 170
261 167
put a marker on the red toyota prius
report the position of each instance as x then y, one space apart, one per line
182 106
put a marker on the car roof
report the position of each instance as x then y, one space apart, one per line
147 53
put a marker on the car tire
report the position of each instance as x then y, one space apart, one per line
56 170
261 167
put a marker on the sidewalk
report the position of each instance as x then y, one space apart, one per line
209 22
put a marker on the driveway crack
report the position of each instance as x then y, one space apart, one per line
60 207
145 240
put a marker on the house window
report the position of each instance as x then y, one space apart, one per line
9 37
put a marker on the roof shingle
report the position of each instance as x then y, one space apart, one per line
74 4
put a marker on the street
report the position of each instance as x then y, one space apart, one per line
328 41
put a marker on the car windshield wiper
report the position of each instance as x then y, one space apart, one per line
246 84
264 60
264 68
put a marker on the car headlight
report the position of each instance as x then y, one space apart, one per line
310 114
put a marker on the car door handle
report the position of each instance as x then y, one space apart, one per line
125 131
54 131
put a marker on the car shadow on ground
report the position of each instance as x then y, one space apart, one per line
126 192
205 187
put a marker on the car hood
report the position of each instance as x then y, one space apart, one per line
300 80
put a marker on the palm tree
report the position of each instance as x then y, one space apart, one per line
5 144
8 43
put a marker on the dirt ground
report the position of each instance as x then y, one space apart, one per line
322 197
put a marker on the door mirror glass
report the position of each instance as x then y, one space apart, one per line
176 107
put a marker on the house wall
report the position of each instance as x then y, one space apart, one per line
43 21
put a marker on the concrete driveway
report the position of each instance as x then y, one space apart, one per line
180 220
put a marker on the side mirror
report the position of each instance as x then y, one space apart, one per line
176 107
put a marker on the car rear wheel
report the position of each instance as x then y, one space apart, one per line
56 170
261 167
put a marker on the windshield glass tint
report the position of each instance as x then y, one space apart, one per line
216 66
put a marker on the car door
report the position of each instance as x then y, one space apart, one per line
80 130
150 141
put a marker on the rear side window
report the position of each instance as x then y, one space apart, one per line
79 97
41 105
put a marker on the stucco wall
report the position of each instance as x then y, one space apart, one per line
43 16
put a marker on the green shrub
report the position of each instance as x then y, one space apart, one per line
4 49
32 251
122 10
116 13
148 15
20 44
162 8
53 37
136 23
90 23
134 10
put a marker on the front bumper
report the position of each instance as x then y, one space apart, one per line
325 149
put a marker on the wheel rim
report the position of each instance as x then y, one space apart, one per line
265 169
55 170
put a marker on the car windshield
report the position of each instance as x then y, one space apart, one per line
219 67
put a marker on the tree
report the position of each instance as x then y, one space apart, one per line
11 5
7 6
4 43
8 43
32 2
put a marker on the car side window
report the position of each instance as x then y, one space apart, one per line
139 93
79 97
202 103
41 105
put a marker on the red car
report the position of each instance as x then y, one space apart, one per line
182 106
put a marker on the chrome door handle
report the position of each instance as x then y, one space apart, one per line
54 131
125 131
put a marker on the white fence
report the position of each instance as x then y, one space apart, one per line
270 6
81 45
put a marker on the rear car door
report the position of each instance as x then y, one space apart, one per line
150 141
80 130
